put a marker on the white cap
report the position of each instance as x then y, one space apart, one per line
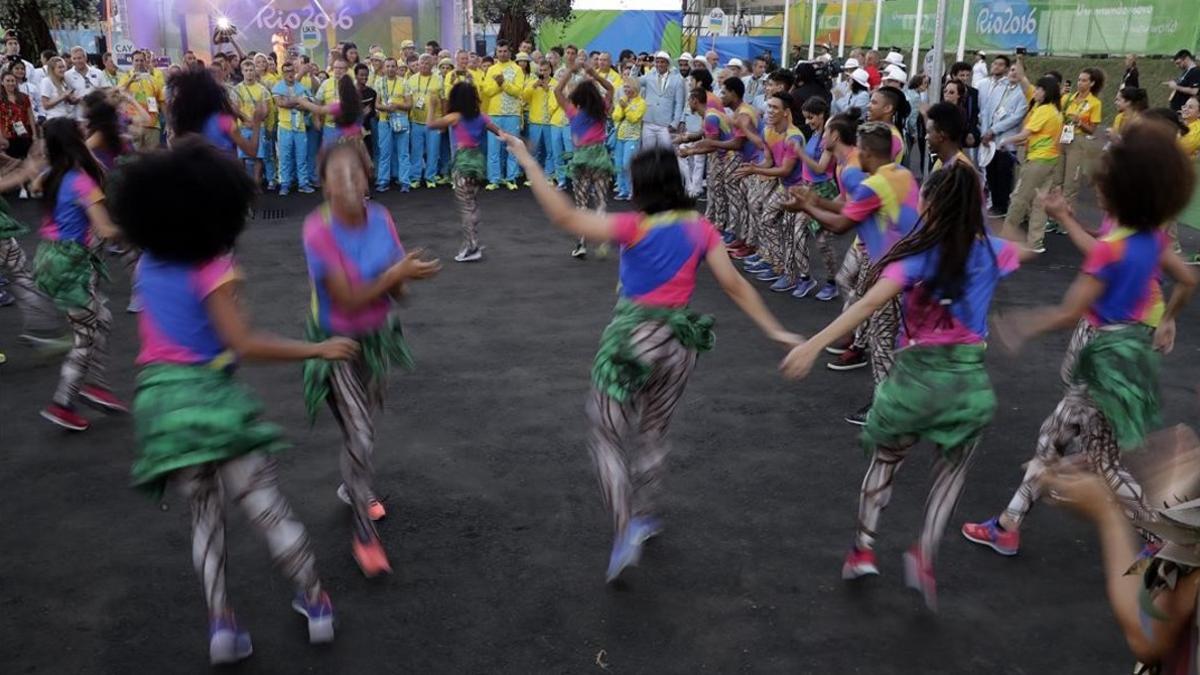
700 59
662 55
850 64
894 72
860 76
684 57
735 63
894 58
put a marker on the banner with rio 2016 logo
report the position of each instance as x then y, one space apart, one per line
1043 26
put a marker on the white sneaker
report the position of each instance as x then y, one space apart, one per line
469 255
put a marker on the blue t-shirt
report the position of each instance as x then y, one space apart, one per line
217 129
175 326
69 221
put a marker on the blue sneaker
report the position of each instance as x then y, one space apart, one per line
728 237
319 615
644 528
757 268
804 287
783 285
828 292
307 189
769 275
752 259
227 644
626 552
405 188
283 191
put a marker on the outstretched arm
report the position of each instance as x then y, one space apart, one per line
800 361
445 121
231 324
559 210
747 299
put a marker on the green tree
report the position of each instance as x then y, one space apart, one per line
518 18
32 20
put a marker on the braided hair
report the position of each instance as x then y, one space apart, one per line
952 221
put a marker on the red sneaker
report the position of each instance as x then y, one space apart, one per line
103 399
859 563
370 557
740 252
840 346
851 359
918 575
988 533
65 417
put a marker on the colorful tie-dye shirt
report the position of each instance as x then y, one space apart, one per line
175 326
924 320
849 175
786 145
361 254
469 133
814 148
217 129
69 220
584 130
1127 263
750 153
660 255
885 208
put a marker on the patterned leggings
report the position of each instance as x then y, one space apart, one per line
716 210
629 465
776 231
466 190
88 357
252 482
355 396
801 260
854 264
37 310
948 480
1076 420
881 328
589 189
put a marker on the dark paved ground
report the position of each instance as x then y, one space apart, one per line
496 530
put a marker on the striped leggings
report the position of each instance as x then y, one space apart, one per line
716 209
253 484
88 357
948 480
466 190
590 190
38 312
1077 426
854 265
627 439
801 256
773 229
881 328
355 396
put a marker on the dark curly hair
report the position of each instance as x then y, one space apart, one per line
464 100
1144 177
205 192
195 97
351 102
586 96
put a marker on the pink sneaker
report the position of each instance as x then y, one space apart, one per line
859 563
918 575
103 399
988 533
65 418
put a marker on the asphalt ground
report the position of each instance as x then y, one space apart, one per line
495 529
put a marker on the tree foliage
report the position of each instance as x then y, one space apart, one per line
33 19
518 18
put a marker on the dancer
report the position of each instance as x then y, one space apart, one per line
69 272
356 266
470 166
201 105
945 273
715 126
649 349
1111 370
42 325
104 136
881 210
198 429
817 161
590 166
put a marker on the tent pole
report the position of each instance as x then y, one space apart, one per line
878 22
962 30
916 52
785 48
842 30
812 33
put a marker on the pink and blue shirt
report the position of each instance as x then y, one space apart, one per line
660 255
925 321
468 133
785 146
749 153
68 221
217 129
814 148
849 175
360 253
175 326
1127 263
716 125
584 130
885 206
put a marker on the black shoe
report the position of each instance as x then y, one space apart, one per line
859 418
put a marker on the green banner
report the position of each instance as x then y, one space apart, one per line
1043 26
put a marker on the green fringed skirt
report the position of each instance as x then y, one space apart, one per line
9 226
616 371
826 190
66 271
189 415
471 163
1120 369
590 158
380 351
941 394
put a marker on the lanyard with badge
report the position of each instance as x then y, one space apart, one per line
1000 113
293 113
1068 130
151 101
396 118
419 103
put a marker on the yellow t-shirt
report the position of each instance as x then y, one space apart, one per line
614 78
1085 108
326 95
628 116
1117 122
540 101
1045 125
143 90
1191 140
390 92
249 96
270 80
506 99
290 119
423 91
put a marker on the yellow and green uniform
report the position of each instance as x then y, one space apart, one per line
541 102
326 95
504 99
1045 125
143 90
390 92
422 90
1191 140
290 119
628 116
1084 108
249 96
